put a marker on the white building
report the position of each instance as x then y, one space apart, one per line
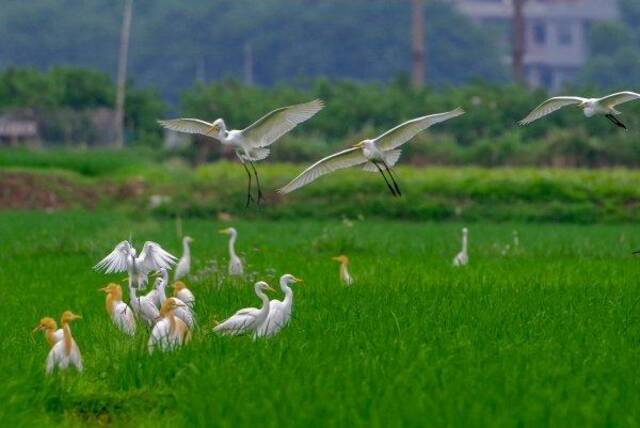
555 35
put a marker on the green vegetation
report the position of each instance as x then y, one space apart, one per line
546 335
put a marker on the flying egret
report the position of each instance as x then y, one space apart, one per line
279 311
250 144
377 155
344 271
65 351
182 311
143 307
184 264
590 106
462 258
170 331
235 263
52 333
120 313
183 293
124 258
247 319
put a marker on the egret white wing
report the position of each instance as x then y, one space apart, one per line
266 130
189 126
153 257
549 106
239 322
406 131
618 98
344 159
116 261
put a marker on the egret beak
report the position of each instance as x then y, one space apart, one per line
38 328
297 280
105 289
223 231
125 279
76 317
336 258
268 287
359 145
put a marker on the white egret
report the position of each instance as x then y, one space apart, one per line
279 311
120 313
235 263
344 270
65 351
375 155
590 106
248 319
52 333
143 307
159 296
184 264
124 258
250 144
462 258
170 331
183 293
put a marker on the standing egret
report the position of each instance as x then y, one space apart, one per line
124 258
250 144
120 313
52 333
182 311
279 311
184 264
65 351
462 258
344 271
377 155
183 293
247 319
590 106
170 331
235 263
143 308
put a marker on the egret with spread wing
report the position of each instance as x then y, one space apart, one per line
252 143
247 319
377 155
590 106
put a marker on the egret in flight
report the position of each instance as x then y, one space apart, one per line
279 310
124 258
252 143
247 319
170 331
184 264
52 333
462 258
344 270
376 155
65 351
235 263
120 313
590 106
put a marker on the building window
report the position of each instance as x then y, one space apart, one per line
565 35
539 33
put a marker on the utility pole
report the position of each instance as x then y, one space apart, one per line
122 74
248 63
518 41
417 43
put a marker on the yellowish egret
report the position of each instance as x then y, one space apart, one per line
345 277
52 333
170 331
119 312
65 352
183 293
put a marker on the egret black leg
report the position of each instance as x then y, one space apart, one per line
393 179
249 197
393 192
257 182
616 121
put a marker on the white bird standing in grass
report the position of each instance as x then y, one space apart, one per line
65 351
183 293
345 277
250 144
279 311
143 307
235 263
248 319
170 331
124 258
590 106
52 333
184 264
119 312
377 155
462 258
182 311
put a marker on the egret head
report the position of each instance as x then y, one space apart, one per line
179 285
187 240
169 305
45 324
465 231
112 288
288 279
364 144
263 286
218 127
228 231
341 259
68 316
